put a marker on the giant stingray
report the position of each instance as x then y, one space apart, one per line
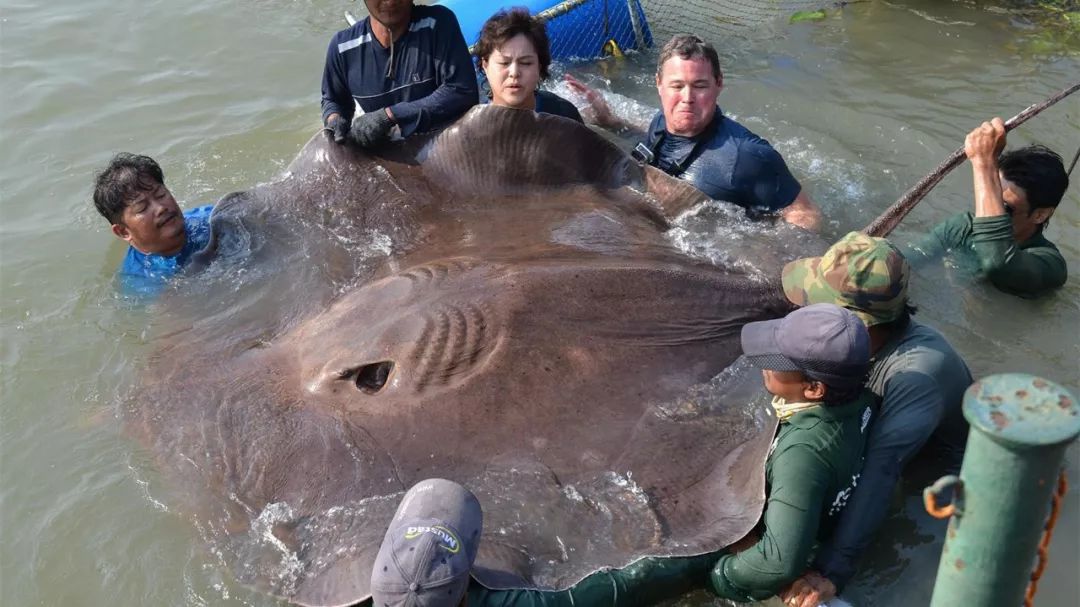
497 304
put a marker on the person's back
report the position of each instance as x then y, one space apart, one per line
131 194
922 364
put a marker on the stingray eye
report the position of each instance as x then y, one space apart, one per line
372 377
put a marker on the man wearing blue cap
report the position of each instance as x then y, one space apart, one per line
429 547
814 362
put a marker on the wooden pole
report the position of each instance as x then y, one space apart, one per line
887 221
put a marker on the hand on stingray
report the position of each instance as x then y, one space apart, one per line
338 126
810 590
371 129
601 111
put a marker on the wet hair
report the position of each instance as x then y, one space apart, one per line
126 175
506 24
1039 171
689 46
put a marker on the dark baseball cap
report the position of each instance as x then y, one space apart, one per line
429 547
827 343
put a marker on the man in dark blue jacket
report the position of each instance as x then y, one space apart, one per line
403 65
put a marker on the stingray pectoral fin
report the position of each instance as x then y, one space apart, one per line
674 196
224 226
719 432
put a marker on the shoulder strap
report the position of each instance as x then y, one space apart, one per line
646 151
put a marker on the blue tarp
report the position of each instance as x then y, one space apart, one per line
580 33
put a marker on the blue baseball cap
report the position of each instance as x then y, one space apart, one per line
429 547
825 342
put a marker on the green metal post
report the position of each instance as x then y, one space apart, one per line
1020 427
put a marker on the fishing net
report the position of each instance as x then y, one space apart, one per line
586 29
717 20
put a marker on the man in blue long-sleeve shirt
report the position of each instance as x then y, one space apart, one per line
403 65
131 194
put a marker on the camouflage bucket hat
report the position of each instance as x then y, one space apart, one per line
866 275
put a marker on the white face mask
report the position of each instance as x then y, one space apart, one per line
784 410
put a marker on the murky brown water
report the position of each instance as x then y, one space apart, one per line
223 95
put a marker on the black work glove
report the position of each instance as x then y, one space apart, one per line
339 127
371 129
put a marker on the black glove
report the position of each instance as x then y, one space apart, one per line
339 127
371 129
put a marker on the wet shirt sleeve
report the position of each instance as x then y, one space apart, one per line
798 486
763 178
646 581
947 235
1026 272
909 414
336 96
197 223
457 89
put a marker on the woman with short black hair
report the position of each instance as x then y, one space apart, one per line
514 55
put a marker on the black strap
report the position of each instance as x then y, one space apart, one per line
647 153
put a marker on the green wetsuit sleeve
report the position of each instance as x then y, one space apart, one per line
644 582
947 235
1012 269
792 515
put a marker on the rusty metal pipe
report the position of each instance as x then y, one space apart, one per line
1020 427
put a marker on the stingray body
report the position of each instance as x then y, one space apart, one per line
499 305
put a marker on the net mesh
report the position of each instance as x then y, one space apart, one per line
717 20
587 29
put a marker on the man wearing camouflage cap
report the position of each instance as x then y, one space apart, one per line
918 376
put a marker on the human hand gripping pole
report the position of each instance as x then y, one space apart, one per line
982 146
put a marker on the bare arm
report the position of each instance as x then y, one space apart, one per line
600 113
802 212
982 147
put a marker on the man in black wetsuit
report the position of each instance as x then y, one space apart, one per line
690 138
403 65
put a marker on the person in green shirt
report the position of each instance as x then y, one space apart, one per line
814 362
1016 193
